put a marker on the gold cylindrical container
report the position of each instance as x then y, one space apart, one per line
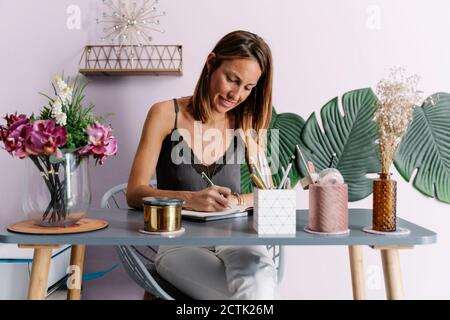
384 204
162 214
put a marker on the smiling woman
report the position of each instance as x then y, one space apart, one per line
232 82
239 69
233 98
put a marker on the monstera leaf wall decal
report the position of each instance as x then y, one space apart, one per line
426 147
289 127
351 136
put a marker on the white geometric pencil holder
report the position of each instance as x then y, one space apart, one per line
274 211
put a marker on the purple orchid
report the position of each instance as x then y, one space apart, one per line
45 138
13 121
23 138
15 133
101 143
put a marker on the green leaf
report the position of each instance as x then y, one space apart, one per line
48 97
426 147
351 136
46 113
289 126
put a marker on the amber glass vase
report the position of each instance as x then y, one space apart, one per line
384 203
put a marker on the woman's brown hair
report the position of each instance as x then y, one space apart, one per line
256 111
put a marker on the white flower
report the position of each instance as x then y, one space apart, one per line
61 119
64 91
67 94
61 84
57 113
56 107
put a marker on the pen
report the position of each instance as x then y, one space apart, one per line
205 177
211 184
286 173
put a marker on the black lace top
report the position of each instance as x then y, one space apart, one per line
179 169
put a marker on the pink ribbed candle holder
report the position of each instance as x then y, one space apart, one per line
328 208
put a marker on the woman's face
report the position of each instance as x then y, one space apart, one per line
232 83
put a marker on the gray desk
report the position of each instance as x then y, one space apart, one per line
124 225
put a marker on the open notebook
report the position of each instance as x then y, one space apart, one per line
234 212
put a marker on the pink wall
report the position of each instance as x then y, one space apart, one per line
321 49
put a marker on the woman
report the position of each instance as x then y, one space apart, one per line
234 92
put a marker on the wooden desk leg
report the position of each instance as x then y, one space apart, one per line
392 274
357 271
39 273
77 264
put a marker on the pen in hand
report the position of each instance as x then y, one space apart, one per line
210 183
205 177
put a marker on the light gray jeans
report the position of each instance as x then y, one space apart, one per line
219 272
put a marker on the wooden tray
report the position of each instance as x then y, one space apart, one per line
84 225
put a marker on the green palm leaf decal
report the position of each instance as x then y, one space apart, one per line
351 136
426 147
281 146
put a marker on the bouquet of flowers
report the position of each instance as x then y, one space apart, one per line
57 141
397 96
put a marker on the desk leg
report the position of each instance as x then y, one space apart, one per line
357 271
392 274
77 264
39 273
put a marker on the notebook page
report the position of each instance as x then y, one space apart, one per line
201 214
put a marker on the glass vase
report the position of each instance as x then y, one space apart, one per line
384 203
57 191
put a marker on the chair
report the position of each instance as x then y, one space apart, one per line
139 261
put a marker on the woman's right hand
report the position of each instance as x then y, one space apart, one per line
214 198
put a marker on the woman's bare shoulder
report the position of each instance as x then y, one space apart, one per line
164 109
163 112
162 115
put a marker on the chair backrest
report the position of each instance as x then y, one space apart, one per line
116 198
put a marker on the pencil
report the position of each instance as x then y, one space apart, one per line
258 182
256 169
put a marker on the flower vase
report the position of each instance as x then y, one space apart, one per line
57 190
384 203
